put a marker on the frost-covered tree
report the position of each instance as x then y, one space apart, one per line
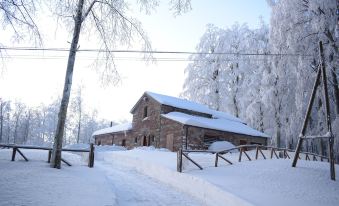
224 77
297 27
36 125
204 76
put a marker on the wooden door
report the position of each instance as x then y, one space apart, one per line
169 142
144 142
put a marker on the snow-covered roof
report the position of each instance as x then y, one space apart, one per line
220 124
189 105
116 128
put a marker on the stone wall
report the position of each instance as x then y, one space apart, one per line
147 129
171 134
116 139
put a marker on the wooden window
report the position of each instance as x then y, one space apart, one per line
123 143
135 140
99 142
145 112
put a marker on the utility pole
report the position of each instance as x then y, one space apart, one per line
329 135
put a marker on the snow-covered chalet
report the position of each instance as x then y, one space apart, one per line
169 122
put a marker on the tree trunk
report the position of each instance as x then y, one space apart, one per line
335 90
79 126
1 119
57 147
15 135
26 134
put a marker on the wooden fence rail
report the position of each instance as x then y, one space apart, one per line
16 148
277 152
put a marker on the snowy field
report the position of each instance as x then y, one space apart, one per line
147 176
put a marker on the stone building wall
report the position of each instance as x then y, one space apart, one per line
116 139
172 134
146 129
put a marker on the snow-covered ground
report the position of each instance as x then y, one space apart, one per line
147 176
259 182
35 183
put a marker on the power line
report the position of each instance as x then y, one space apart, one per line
154 52
126 58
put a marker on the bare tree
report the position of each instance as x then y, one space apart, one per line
19 15
112 26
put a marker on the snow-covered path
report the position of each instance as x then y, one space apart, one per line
34 183
133 188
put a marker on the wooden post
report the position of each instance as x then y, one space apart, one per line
240 154
321 72
262 153
286 154
275 154
256 152
91 156
179 160
308 113
49 156
66 162
13 153
196 164
272 153
248 157
22 155
229 162
327 108
216 159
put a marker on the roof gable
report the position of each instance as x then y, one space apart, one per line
187 105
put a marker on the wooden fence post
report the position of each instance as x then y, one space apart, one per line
179 160
216 160
272 153
256 152
13 154
91 156
49 156
240 154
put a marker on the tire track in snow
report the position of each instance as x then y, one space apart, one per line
134 188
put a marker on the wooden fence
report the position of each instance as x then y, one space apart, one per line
283 153
16 148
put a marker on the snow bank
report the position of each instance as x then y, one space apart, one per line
220 146
161 168
35 183
77 146
260 182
